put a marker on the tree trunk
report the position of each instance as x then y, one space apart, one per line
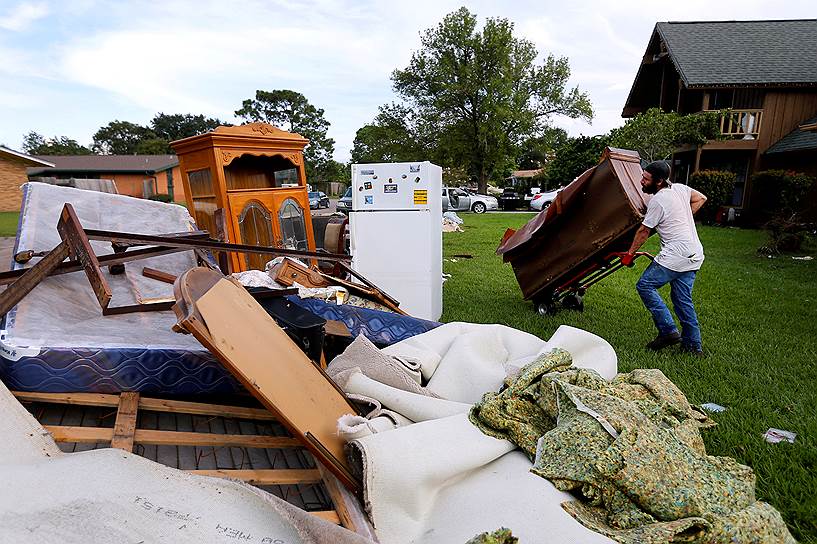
482 186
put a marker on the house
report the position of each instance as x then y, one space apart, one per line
134 175
13 166
761 74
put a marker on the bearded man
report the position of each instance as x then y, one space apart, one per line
670 212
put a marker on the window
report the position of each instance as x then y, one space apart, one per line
291 221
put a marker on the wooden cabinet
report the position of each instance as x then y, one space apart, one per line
255 173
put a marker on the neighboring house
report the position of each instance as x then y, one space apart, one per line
763 72
134 175
13 166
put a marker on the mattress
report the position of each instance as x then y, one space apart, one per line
57 340
382 328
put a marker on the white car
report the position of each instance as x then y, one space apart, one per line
541 201
460 200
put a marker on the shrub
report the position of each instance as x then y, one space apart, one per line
718 186
780 192
780 196
161 198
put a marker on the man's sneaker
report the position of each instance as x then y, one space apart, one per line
694 351
663 340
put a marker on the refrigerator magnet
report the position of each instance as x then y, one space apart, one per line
389 188
367 185
368 199
420 196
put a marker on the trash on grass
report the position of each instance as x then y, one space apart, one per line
773 436
712 407
804 258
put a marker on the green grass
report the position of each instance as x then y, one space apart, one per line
8 223
759 325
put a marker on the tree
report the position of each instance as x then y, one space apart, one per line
574 157
333 170
481 92
656 135
37 144
171 127
121 138
537 151
395 135
291 111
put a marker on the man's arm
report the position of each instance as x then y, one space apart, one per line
641 236
696 200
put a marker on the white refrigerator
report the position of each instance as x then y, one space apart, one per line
396 232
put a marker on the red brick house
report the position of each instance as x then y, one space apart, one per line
13 165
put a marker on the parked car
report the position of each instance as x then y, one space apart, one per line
541 201
511 199
345 202
461 200
317 199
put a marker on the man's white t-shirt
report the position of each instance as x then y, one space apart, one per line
670 214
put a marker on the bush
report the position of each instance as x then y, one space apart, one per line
780 192
718 186
780 196
161 198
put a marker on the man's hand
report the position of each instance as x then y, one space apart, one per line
627 259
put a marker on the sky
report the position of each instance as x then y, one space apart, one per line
69 67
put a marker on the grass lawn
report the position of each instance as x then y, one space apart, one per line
759 325
8 223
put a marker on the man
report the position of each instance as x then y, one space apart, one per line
670 213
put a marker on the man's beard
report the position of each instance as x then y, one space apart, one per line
650 189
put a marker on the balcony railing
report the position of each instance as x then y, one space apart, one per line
741 124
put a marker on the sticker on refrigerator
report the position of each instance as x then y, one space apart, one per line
389 188
421 196
367 185
414 168
367 172
368 199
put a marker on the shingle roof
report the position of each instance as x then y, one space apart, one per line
796 140
107 163
743 52
27 160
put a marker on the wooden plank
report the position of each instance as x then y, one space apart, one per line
110 259
125 425
282 476
82 399
348 510
131 238
80 435
201 409
155 405
241 335
181 438
337 328
23 285
93 435
329 515
154 274
72 234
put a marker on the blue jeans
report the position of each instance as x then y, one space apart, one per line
656 276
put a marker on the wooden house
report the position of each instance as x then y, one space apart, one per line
762 74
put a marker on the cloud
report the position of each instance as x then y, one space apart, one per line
22 15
